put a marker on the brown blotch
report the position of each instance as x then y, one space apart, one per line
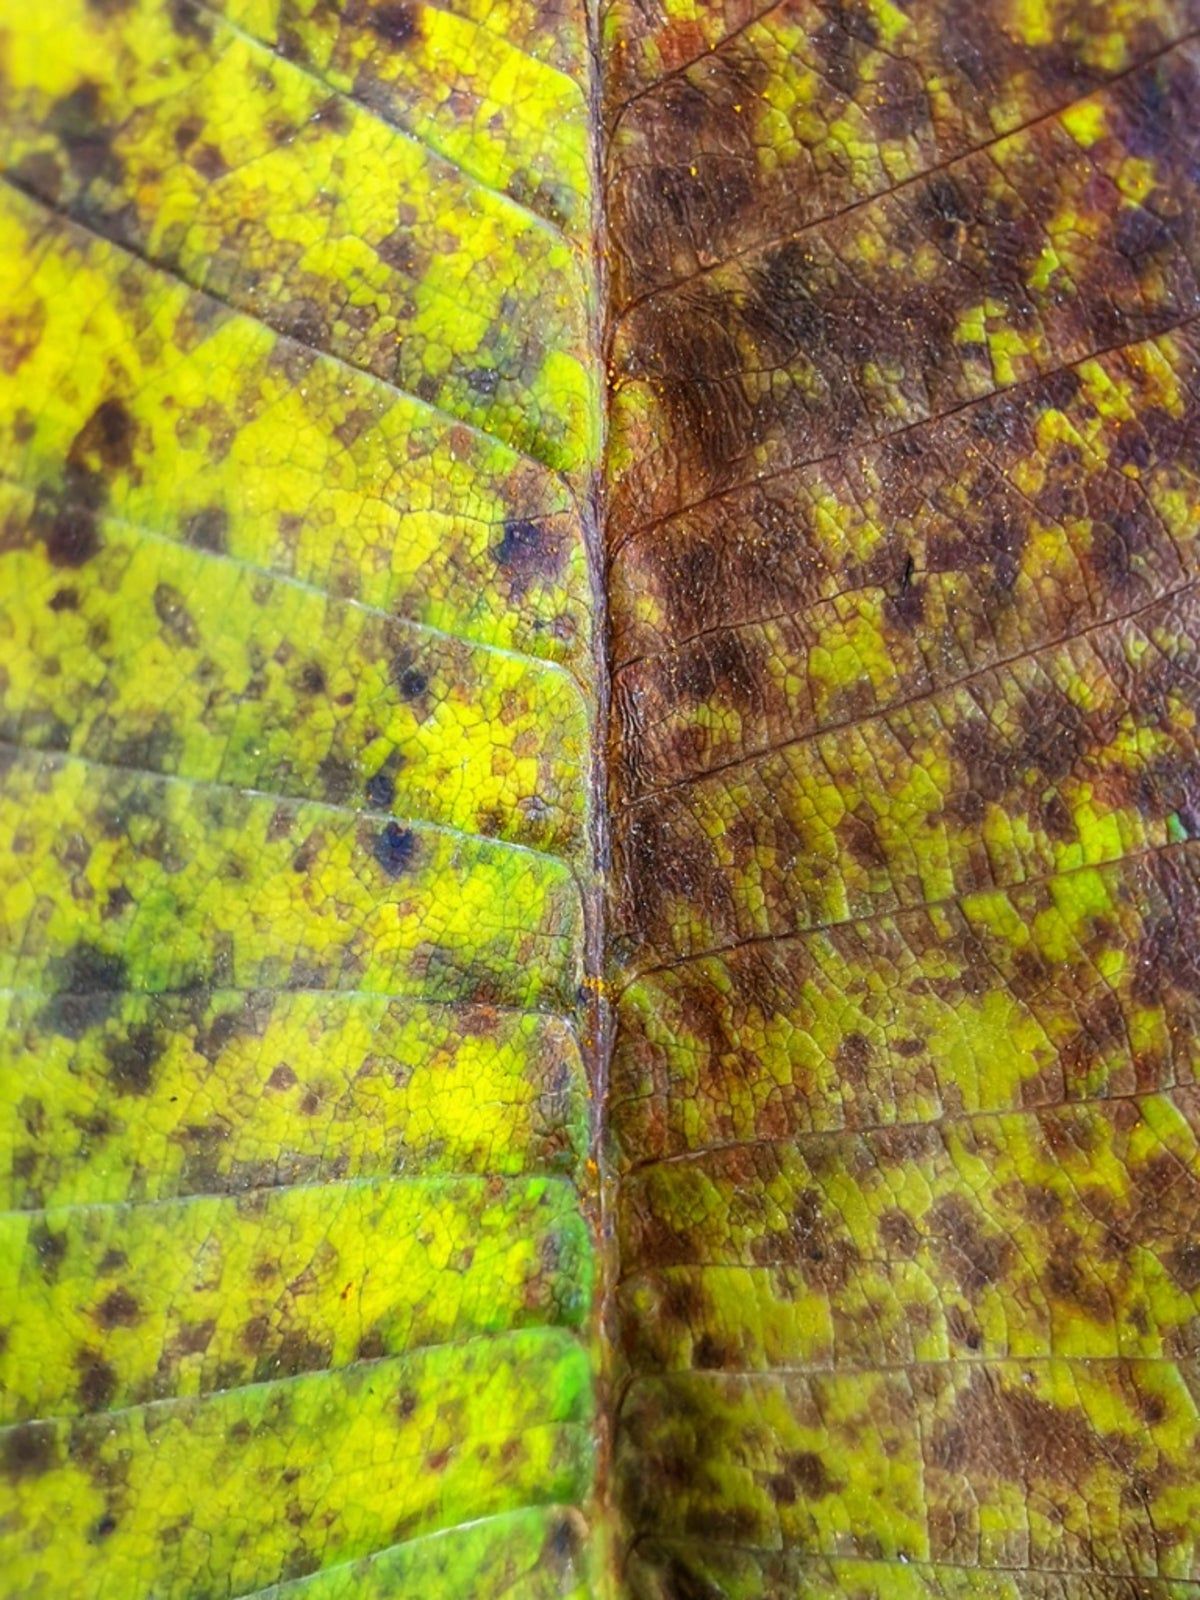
132 1059
171 610
207 529
804 1476
97 1381
722 664
398 23
28 1450
77 119
118 1310
898 1233
1183 1263
70 535
106 438
975 1258
995 1431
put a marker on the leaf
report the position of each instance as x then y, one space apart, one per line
296 712
903 1094
598 991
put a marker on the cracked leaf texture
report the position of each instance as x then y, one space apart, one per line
599 907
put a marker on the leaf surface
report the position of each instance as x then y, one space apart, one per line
296 713
598 715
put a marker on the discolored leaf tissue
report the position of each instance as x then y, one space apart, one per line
599 885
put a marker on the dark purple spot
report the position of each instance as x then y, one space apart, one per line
394 849
411 684
381 791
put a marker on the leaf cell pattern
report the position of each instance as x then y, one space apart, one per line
296 715
598 977
903 1092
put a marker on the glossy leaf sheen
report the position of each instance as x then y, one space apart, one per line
598 913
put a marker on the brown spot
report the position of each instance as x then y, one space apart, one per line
208 161
132 1059
997 1430
97 1381
188 22
1183 1263
193 1338
78 121
723 664
171 610
898 1233
118 1310
255 1334
295 1353
803 1476
709 1354
974 1257
70 535
207 529
398 23
106 438
28 1450
857 834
